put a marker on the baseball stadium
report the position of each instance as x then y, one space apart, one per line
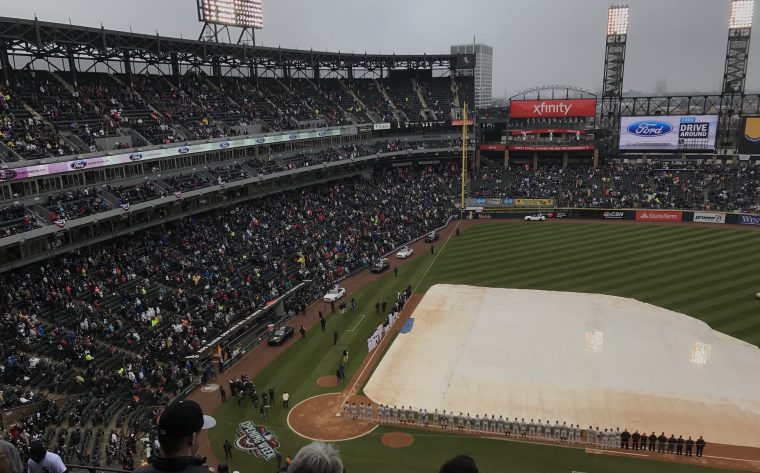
217 255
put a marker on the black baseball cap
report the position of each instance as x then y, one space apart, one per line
183 418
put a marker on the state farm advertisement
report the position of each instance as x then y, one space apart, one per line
552 108
659 215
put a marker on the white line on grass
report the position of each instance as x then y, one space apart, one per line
374 352
614 452
361 317
435 258
729 458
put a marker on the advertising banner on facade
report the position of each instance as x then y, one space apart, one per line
613 214
101 161
460 122
659 215
749 136
381 126
508 202
749 220
551 148
552 108
709 217
668 133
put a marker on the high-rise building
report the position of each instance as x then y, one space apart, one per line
483 70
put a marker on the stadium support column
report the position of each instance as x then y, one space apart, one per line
127 66
735 72
477 159
5 63
596 158
175 65
564 159
535 161
506 158
614 66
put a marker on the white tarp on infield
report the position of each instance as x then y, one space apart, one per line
578 358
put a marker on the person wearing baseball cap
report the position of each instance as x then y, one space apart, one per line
178 429
42 461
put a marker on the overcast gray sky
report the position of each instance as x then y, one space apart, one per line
536 42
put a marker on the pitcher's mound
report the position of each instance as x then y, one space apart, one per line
397 439
327 381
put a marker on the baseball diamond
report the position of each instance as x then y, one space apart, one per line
262 252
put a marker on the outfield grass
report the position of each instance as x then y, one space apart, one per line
709 273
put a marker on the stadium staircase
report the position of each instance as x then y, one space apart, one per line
427 113
6 152
398 114
454 90
372 115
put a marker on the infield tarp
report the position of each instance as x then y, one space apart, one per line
578 358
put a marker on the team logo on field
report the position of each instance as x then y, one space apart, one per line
257 440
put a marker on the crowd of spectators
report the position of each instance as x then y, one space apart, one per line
116 321
72 204
726 187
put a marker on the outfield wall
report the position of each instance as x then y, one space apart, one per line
639 215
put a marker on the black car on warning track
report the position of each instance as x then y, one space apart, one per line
380 265
431 237
280 335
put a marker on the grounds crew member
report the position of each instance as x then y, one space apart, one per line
178 429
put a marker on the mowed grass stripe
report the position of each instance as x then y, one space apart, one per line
567 254
597 272
675 267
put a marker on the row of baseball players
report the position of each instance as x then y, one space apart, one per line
466 422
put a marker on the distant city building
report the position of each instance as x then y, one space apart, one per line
483 71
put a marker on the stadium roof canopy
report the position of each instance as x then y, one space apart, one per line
39 40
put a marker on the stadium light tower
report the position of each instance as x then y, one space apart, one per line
737 52
614 62
218 15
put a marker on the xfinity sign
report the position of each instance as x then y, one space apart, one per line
560 109
552 108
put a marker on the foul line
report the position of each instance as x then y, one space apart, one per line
435 258
614 452
376 350
361 317
729 458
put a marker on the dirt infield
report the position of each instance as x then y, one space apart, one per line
327 381
321 418
397 439
321 411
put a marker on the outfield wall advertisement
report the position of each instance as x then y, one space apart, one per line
668 133
659 215
709 217
749 220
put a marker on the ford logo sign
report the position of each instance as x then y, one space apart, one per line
650 128
322 133
183 150
78 164
7 174
260 140
135 156
224 144
292 137
481 201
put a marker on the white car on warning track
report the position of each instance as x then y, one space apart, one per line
535 218
404 253
335 293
